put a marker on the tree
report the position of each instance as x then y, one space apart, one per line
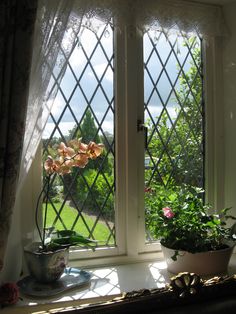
75 181
88 130
177 147
107 139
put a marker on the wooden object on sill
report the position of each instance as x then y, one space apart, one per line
185 289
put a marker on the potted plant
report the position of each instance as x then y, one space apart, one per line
47 258
192 236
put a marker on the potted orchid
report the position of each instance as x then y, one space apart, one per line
47 258
193 237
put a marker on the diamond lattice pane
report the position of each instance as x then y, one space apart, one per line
83 200
173 110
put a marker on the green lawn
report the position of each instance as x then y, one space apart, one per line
69 214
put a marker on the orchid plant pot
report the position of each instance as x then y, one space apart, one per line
46 260
201 263
45 267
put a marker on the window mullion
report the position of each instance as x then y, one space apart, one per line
214 167
120 143
134 139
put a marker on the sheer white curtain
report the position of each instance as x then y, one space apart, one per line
53 21
58 19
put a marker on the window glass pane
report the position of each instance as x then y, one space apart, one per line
83 200
173 109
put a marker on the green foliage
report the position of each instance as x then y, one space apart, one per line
67 238
79 191
87 130
108 140
55 192
190 226
97 192
177 148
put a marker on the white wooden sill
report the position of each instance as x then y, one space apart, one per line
106 284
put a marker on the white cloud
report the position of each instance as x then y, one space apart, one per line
108 126
55 107
99 69
77 58
156 110
64 127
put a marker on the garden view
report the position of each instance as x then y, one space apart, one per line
83 200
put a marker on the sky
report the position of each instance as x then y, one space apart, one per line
88 82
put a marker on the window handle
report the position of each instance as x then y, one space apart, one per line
142 127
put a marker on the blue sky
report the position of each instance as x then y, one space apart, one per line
99 63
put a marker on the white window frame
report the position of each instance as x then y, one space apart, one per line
129 91
214 122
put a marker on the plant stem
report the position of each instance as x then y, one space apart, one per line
46 210
36 216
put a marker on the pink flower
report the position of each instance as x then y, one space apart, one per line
168 213
50 165
81 160
9 294
94 150
65 151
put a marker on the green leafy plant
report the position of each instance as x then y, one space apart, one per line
181 221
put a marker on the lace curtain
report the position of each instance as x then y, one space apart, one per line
60 18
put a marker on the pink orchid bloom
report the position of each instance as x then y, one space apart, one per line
168 213
83 147
81 160
50 165
94 150
64 166
65 151
77 154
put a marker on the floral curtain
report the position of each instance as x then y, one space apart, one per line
16 33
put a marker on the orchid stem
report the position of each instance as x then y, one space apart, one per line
46 210
36 216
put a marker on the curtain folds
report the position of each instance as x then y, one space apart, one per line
16 33
51 25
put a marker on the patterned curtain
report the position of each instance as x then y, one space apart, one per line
17 20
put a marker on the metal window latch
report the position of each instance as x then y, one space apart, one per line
142 127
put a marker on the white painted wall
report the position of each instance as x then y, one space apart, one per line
229 79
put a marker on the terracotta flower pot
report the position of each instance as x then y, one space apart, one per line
45 267
202 263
